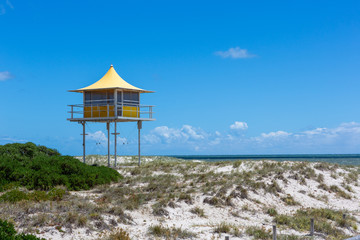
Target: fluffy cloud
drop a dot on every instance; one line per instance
(5, 76)
(239, 126)
(344, 138)
(11, 139)
(192, 132)
(278, 134)
(169, 135)
(235, 53)
(98, 136)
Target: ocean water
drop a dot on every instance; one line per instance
(344, 159)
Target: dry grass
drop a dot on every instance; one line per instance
(168, 183)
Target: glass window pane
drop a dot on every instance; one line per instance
(97, 98)
(87, 98)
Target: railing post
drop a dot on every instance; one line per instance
(72, 111)
(122, 103)
(115, 104)
(108, 110)
(312, 227)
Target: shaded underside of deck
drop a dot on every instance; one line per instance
(110, 119)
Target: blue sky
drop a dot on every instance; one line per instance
(231, 77)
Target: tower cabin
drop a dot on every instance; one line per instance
(111, 99)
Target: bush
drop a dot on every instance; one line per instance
(55, 194)
(222, 228)
(258, 233)
(119, 234)
(198, 211)
(300, 221)
(7, 232)
(272, 212)
(289, 200)
(38, 167)
(170, 233)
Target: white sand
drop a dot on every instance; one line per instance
(250, 213)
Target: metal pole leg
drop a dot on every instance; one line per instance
(108, 129)
(139, 123)
(115, 143)
(83, 124)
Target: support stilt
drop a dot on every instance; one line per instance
(115, 133)
(83, 124)
(108, 129)
(139, 123)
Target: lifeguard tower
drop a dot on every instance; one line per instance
(111, 99)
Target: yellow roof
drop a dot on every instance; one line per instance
(111, 80)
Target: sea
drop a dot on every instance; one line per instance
(343, 159)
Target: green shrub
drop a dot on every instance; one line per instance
(119, 234)
(186, 198)
(339, 192)
(7, 232)
(170, 233)
(198, 211)
(222, 228)
(300, 221)
(272, 212)
(289, 200)
(55, 194)
(258, 233)
(14, 196)
(38, 167)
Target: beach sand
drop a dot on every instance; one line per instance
(198, 198)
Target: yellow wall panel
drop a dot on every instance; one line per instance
(131, 112)
(98, 111)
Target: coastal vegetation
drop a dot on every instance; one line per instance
(42, 168)
(168, 198)
(8, 232)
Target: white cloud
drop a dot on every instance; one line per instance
(235, 53)
(276, 134)
(5, 75)
(344, 138)
(348, 133)
(169, 135)
(10, 139)
(191, 132)
(239, 126)
(122, 140)
(216, 141)
(98, 136)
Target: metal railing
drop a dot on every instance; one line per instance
(100, 110)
